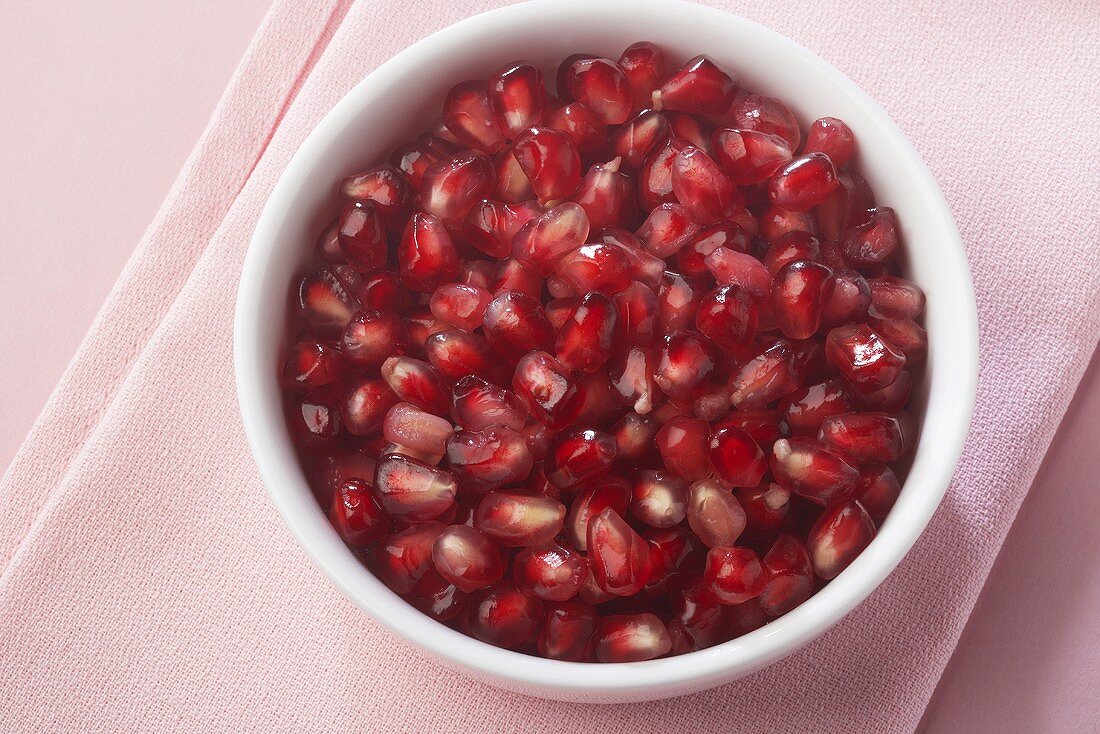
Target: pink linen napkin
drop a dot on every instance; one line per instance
(147, 583)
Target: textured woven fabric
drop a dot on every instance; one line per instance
(148, 585)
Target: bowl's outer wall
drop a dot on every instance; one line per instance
(401, 98)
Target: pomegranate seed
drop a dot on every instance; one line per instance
(582, 125)
(628, 638)
(382, 291)
(546, 385)
(807, 407)
(634, 435)
(360, 234)
(897, 297)
(550, 161)
(409, 426)
(695, 131)
(559, 309)
(667, 229)
(579, 455)
(403, 560)
(659, 499)
(839, 535)
(799, 294)
(504, 617)
(749, 157)
(691, 259)
(460, 305)
(832, 137)
(419, 326)
(701, 186)
(488, 459)
(412, 159)
(451, 187)
(619, 557)
(700, 87)
(515, 324)
(438, 599)
(685, 362)
(671, 550)
(727, 316)
(678, 302)
(567, 630)
(470, 118)
(586, 338)
(479, 405)
(412, 490)
(734, 575)
(414, 381)
(515, 275)
(682, 443)
(766, 115)
(892, 397)
(737, 458)
(806, 467)
(325, 304)
(466, 558)
(711, 402)
(849, 300)
(561, 79)
(637, 138)
(874, 239)
(517, 97)
(776, 222)
(765, 426)
(372, 337)
(790, 579)
(606, 194)
(877, 491)
(365, 406)
(763, 379)
(387, 189)
(328, 245)
(906, 335)
(610, 493)
(637, 308)
(790, 248)
(863, 357)
(559, 230)
(518, 520)
(765, 505)
(643, 64)
(355, 514)
(490, 226)
(601, 86)
(738, 268)
(512, 184)
(655, 176)
(863, 436)
(803, 183)
(475, 273)
(311, 365)
(596, 267)
(631, 372)
(550, 572)
(426, 256)
(455, 354)
(714, 514)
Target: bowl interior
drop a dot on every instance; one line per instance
(402, 98)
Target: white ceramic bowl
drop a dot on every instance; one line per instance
(403, 95)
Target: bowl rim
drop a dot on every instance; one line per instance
(692, 670)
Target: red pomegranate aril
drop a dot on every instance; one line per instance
(896, 297)
(467, 558)
(634, 434)
(863, 437)
(799, 293)
(629, 638)
(765, 505)
(579, 455)
(812, 470)
(849, 300)
(790, 248)
(655, 176)
(582, 125)
(326, 306)
(387, 189)
(413, 158)
(460, 305)
(607, 195)
(469, 117)
(737, 459)
(550, 572)
(619, 557)
(371, 337)
(596, 267)
(600, 85)
(747, 156)
(903, 333)
(702, 188)
(765, 426)
(692, 130)
(365, 406)
(567, 631)
(550, 160)
(637, 308)
(478, 405)
(678, 302)
(832, 137)
(610, 492)
(416, 429)
(475, 273)
(839, 535)
(515, 275)
(518, 520)
(451, 187)
(790, 579)
(667, 229)
(490, 226)
(514, 324)
(714, 514)
(734, 575)
(414, 381)
(543, 240)
(643, 64)
(403, 560)
(586, 338)
(874, 239)
(638, 137)
(712, 401)
(691, 259)
(682, 443)
(311, 365)
(382, 291)
(659, 498)
(863, 357)
(512, 185)
(700, 87)
(803, 183)
(764, 379)
(806, 408)
(766, 115)
(877, 491)
(488, 459)
(776, 222)
(517, 97)
(412, 490)
(455, 353)
(505, 617)
(328, 245)
(426, 256)
(439, 599)
(890, 398)
(738, 268)
(547, 386)
(356, 515)
(685, 361)
(361, 237)
(727, 316)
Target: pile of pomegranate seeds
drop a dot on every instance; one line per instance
(609, 373)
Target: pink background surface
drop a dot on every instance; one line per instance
(101, 111)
